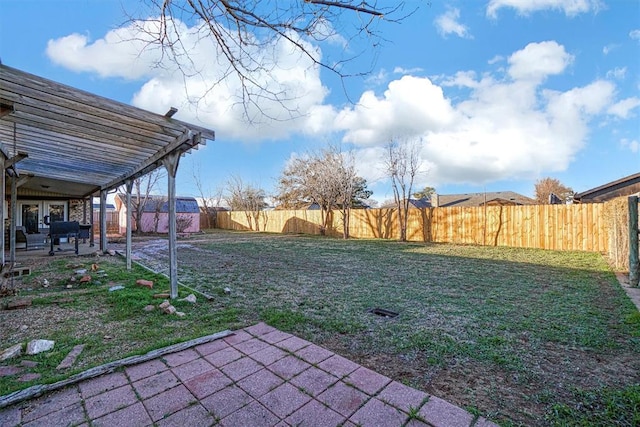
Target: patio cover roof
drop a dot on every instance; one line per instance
(78, 143)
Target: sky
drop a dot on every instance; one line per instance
(497, 93)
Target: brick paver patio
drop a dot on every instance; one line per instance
(259, 376)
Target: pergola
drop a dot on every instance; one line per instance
(59, 141)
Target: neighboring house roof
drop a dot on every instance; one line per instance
(109, 206)
(627, 186)
(157, 203)
(479, 199)
(420, 203)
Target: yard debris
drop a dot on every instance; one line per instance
(69, 286)
(29, 363)
(169, 310)
(94, 267)
(11, 352)
(81, 271)
(23, 327)
(6, 371)
(39, 346)
(85, 279)
(111, 252)
(29, 377)
(19, 303)
(70, 359)
(145, 283)
(180, 314)
(190, 298)
(149, 307)
(107, 337)
(116, 288)
(162, 295)
(227, 291)
(45, 283)
(72, 280)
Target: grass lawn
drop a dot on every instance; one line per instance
(520, 336)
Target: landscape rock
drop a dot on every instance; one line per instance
(149, 307)
(7, 371)
(45, 283)
(81, 271)
(180, 314)
(29, 363)
(29, 377)
(85, 279)
(164, 304)
(111, 252)
(18, 303)
(227, 290)
(39, 346)
(145, 283)
(70, 359)
(11, 352)
(73, 279)
(169, 310)
(190, 298)
(163, 295)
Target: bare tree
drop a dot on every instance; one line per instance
(158, 204)
(142, 190)
(326, 178)
(209, 198)
(402, 165)
(244, 33)
(545, 187)
(247, 198)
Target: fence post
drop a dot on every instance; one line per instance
(634, 266)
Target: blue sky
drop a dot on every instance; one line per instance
(498, 93)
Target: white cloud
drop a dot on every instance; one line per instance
(635, 34)
(610, 48)
(495, 59)
(525, 7)
(461, 79)
(205, 90)
(538, 60)
(618, 73)
(505, 128)
(504, 125)
(624, 108)
(447, 23)
(400, 70)
(631, 145)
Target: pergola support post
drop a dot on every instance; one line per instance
(3, 230)
(634, 265)
(129, 187)
(92, 239)
(12, 224)
(170, 163)
(103, 221)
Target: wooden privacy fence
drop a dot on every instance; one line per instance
(561, 227)
(112, 222)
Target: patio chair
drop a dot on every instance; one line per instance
(31, 241)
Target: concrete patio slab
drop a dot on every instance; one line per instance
(258, 377)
